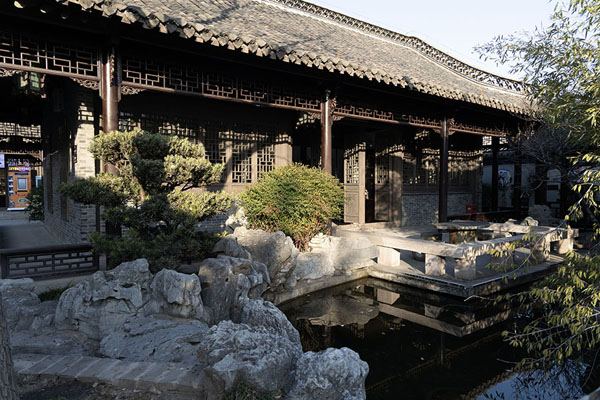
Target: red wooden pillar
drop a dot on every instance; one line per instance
(326, 135)
(494, 194)
(443, 175)
(110, 93)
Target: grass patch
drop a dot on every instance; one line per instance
(52, 294)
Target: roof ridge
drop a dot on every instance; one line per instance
(413, 42)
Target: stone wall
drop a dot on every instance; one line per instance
(69, 221)
(214, 224)
(422, 209)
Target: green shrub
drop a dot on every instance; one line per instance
(151, 196)
(36, 203)
(295, 199)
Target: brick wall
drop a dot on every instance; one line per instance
(71, 222)
(422, 209)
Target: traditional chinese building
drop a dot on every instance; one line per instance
(260, 83)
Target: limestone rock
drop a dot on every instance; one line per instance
(51, 341)
(529, 221)
(21, 304)
(236, 218)
(272, 249)
(100, 305)
(176, 294)
(230, 247)
(312, 265)
(227, 280)
(258, 312)
(25, 284)
(257, 355)
(334, 374)
(155, 339)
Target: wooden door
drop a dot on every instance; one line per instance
(382, 187)
(354, 184)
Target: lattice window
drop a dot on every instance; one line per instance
(420, 171)
(352, 173)
(431, 167)
(215, 145)
(156, 74)
(382, 169)
(241, 157)
(408, 170)
(12, 129)
(265, 154)
(128, 122)
(29, 52)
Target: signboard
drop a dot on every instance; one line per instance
(18, 165)
(2, 165)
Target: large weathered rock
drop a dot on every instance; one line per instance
(275, 249)
(229, 246)
(176, 294)
(259, 356)
(334, 374)
(313, 266)
(100, 305)
(51, 341)
(155, 339)
(227, 280)
(21, 304)
(258, 312)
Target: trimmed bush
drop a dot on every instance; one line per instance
(295, 199)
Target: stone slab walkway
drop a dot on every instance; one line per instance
(136, 375)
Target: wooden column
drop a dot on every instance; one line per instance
(110, 92)
(326, 136)
(443, 175)
(494, 194)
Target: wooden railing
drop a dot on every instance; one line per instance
(48, 261)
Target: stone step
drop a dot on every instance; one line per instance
(136, 375)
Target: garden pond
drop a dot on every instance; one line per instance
(422, 345)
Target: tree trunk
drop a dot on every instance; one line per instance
(8, 385)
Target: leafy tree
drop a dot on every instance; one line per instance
(561, 66)
(150, 195)
(297, 200)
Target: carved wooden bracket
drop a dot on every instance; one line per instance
(5, 73)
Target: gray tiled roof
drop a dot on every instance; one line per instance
(298, 32)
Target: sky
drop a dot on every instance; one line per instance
(453, 26)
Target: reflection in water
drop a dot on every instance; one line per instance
(421, 345)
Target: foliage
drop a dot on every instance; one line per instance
(36, 203)
(567, 321)
(150, 195)
(561, 66)
(296, 199)
(52, 294)
(244, 392)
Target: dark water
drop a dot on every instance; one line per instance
(421, 345)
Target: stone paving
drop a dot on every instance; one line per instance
(162, 376)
